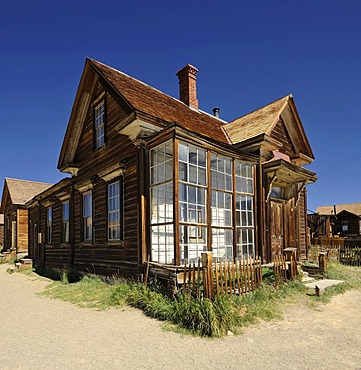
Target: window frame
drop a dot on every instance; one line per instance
(85, 217)
(120, 210)
(65, 230)
(49, 225)
(192, 224)
(98, 105)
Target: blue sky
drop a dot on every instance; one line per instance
(248, 54)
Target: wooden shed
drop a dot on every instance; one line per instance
(339, 219)
(154, 177)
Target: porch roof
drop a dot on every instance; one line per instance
(285, 173)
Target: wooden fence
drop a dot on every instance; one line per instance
(284, 270)
(211, 279)
(350, 256)
(232, 278)
(346, 255)
(329, 242)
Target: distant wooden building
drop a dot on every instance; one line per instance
(340, 219)
(15, 194)
(156, 177)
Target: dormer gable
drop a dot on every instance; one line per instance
(276, 126)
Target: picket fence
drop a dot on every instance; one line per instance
(208, 278)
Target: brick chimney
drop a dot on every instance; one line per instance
(188, 85)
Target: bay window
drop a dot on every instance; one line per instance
(213, 196)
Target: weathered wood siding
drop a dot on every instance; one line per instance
(353, 224)
(280, 134)
(19, 215)
(302, 225)
(22, 230)
(101, 256)
(33, 220)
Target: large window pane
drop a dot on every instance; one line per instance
(193, 241)
(245, 243)
(161, 203)
(162, 239)
(245, 209)
(222, 243)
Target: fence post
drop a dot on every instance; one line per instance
(208, 281)
(322, 260)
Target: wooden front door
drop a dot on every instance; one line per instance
(277, 226)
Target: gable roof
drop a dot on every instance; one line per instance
(140, 98)
(143, 101)
(257, 122)
(354, 208)
(263, 120)
(153, 102)
(20, 191)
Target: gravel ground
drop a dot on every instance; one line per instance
(43, 333)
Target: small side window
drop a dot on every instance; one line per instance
(88, 216)
(49, 225)
(99, 125)
(66, 224)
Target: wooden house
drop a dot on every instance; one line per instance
(340, 219)
(14, 197)
(154, 177)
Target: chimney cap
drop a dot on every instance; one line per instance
(216, 111)
(188, 68)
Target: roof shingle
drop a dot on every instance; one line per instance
(354, 208)
(23, 190)
(151, 101)
(257, 122)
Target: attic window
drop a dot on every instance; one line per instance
(99, 125)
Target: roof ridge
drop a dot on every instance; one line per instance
(220, 121)
(143, 83)
(264, 106)
(340, 204)
(38, 182)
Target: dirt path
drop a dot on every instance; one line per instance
(42, 333)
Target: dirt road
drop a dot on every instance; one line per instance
(42, 333)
